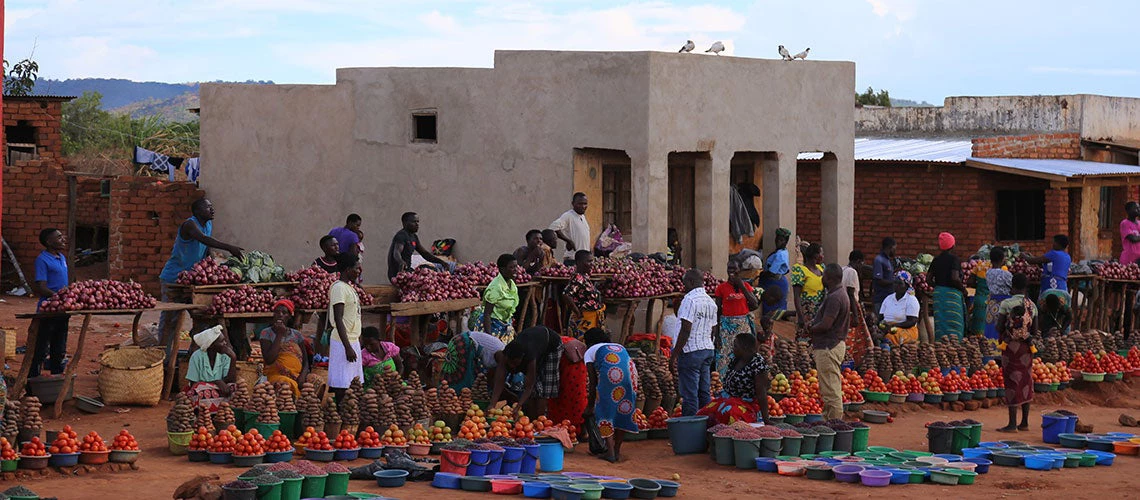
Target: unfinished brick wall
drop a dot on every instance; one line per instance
(91, 208)
(145, 215)
(913, 203)
(1038, 146)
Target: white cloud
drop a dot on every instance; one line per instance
(644, 26)
(104, 57)
(903, 10)
(1085, 71)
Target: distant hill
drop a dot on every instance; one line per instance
(169, 100)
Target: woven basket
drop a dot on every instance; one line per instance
(248, 372)
(131, 375)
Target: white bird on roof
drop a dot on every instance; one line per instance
(716, 48)
(784, 54)
(687, 47)
(802, 55)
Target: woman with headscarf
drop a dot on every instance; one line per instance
(283, 349)
(999, 281)
(211, 372)
(1056, 314)
(582, 298)
(612, 390)
(945, 275)
(1017, 322)
(898, 315)
(736, 301)
(807, 288)
(776, 268)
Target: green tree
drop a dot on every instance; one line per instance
(84, 123)
(21, 78)
(871, 98)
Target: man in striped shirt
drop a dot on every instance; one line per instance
(693, 354)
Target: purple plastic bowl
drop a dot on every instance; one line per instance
(849, 473)
(875, 477)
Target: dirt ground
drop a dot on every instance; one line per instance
(160, 473)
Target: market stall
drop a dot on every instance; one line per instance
(653, 314)
(34, 329)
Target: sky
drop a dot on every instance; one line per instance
(917, 49)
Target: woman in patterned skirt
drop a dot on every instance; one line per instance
(613, 390)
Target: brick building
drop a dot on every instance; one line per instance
(133, 219)
(1010, 188)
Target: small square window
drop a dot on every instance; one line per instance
(1021, 215)
(424, 127)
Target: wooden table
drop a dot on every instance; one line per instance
(1114, 297)
(535, 291)
(1087, 287)
(204, 294)
(419, 310)
(34, 332)
(631, 304)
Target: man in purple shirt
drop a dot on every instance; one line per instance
(348, 236)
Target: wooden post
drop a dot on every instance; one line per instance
(71, 208)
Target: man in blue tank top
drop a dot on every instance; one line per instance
(191, 245)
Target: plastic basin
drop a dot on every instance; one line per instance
(471, 483)
(982, 465)
(944, 477)
(1038, 462)
(899, 476)
(875, 416)
(668, 488)
(94, 457)
(796, 468)
(220, 458)
(445, 480)
(875, 478)
(248, 460)
(279, 456)
(129, 456)
(847, 473)
(970, 466)
(616, 490)
(932, 460)
(564, 492)
(1069, 440)
(1088, 459)
(976, 452)
(346, 454)
(1125, 448)
(993, 445)
(964, 476)
(1101, 444)
(766, 464)
(820, 472)
(644, 488)
(392, 478)
(1102, 457)
(63, 459)
(1007, 459)
(506, 486)
(319, 455)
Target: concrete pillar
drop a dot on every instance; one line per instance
(837, 206)
(650, 202)
(711, 200)
(779, 198)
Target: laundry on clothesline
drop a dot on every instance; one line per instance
(167, 164)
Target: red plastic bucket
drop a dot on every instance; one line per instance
(454, 461)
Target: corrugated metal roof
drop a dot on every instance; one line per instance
(917, 150)
(1057, 168)
(38, 97)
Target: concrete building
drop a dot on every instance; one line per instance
(485, 154)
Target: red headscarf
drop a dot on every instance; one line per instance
(945, 241)
(287, 303)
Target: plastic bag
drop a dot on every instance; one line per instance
(609, 240)
(594, 436)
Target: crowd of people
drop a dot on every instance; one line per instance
(571, 369)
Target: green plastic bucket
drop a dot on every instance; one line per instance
(809, 444)
(834, 454)
(844, 440)
(291, 489)
(881, 449)
(725, 451)
(270, 491)
(792, 446)
(770, 447)
(941, 439)
(288, 424)
(266, 430)
(1088, 460)
(869, 455)
(975, 435)
(314, 486)
(337, 484)
(961, 439)
(860, 438)
(746, 451)
(825, 442)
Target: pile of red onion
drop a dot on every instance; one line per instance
(1031, 271)
(609, 265)
(243, 299)
(98, 295)
(643, 279)
(1117, 271)
(480, 274)
(312, 291)
(426, 285)
(557, 271)
(207, 272)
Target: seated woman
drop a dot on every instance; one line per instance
(284, 350)
(211, 372)
(469, 354)
(612, 390)
(1056, 314)
(499, 302)
(898, 316)
(582, 298)
(745, 387)
(377, 354)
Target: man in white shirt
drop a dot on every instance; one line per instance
(572, 228)
(693, 354)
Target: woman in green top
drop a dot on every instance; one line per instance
(500, 298)
(211, 371)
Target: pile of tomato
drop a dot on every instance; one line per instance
(65, 442)
(33, 448)
(92, 442)
(345, 441)
(369, 438)
(278, 442)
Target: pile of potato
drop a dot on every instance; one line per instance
(310, 407)
(181, 416)
(370, 408)
(240, 397)
(285, 399)
(449, 401)
(264, 402)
